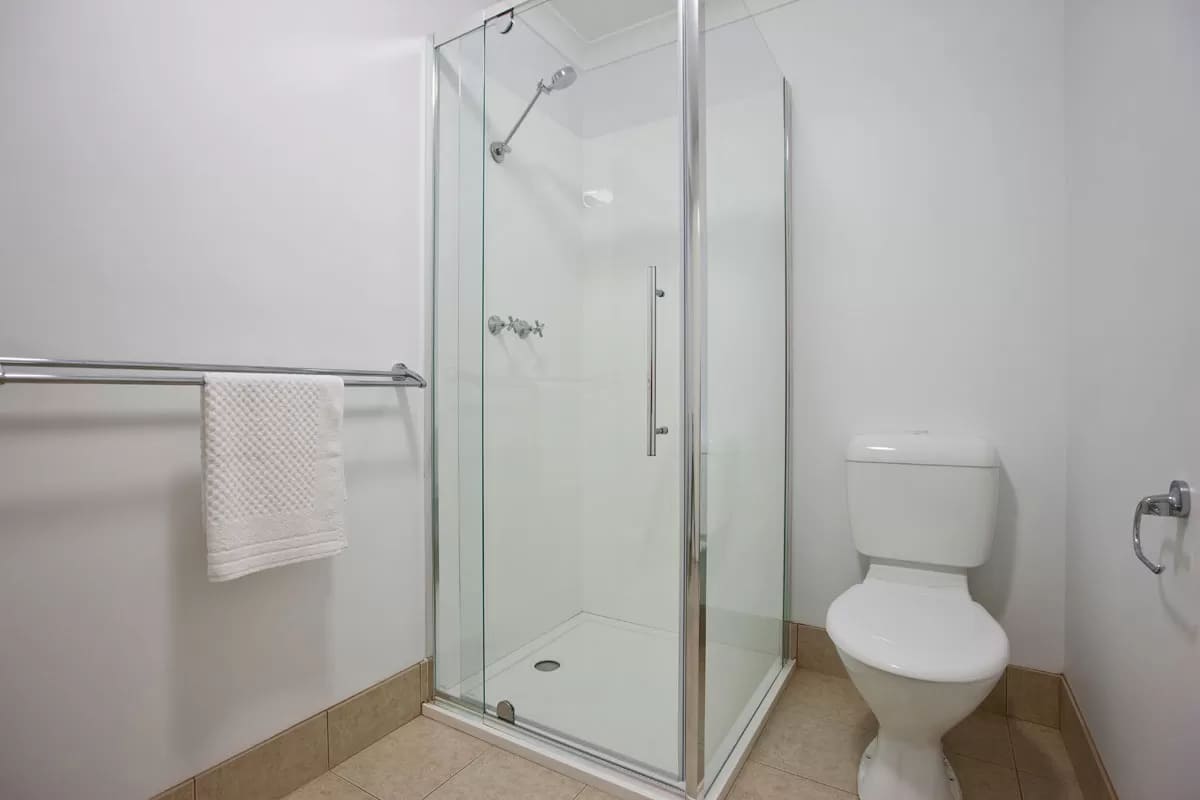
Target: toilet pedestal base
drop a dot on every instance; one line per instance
(903, 770)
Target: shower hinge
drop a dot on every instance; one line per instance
(504, 20)
(506, 712)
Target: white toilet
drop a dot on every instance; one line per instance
(922, 653)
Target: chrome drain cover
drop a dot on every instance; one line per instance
(547, 665)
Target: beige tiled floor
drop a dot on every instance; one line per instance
(809, 750)
(425, 759)
(811, 745)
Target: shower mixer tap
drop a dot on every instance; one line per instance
(520, 327)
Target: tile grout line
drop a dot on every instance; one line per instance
(328, 744)
(1012, 748)
(787, 771)
(450, 777)
(838, 789)
(355, 785)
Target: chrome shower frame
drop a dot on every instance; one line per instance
(534, 743)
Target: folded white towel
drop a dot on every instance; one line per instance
(274, 483)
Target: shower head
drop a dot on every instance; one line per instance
(561, 79)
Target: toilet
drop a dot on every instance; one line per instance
(921, 652)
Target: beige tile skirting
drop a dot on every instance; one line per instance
(287, 761)
(1022, 693)
(1089, 769)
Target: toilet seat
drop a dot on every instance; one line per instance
(926, 633)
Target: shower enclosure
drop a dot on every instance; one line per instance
(610, 383)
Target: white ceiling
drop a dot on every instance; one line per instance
(592, 20)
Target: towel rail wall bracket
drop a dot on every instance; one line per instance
(398, 376)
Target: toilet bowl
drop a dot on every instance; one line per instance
(920, 651)
(923, 655)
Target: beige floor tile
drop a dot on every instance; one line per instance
(983, 781)
(1035, 787)
(982, 736)
(592, 793)
(329, 787)
(828, 697)
(498, 775)
(760, 782)
(800, 742)
(1040, 750)
(411, 762)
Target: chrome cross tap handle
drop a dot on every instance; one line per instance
(520, 327)
(1177, 502)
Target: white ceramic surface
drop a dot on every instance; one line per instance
(937, 506)
(922, 653)
(931, 633)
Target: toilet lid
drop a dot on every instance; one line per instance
(929, 634)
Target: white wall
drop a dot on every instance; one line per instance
(1132, 637)
(928, 208)
(224, 182)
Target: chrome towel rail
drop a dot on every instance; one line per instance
(398, 375)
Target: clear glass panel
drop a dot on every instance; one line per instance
(744, 409)
(458, 359)
(582, 542)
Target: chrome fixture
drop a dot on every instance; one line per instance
(559, 80)
(520, 327)
(1177, 502)
(398, 375)
(693, 302)
(653, 293)
(503, 21)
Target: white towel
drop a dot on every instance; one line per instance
(274, 483)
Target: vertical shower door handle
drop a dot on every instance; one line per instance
(653, 293)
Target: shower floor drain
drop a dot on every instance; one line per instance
(547, 665)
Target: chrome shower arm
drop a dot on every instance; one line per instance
(541, 90)
(500, 149)
(560, 80)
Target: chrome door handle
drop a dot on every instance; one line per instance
(1177, 502)
(653, 293)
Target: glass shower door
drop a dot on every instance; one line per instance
(744, 409)
(580, 268)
